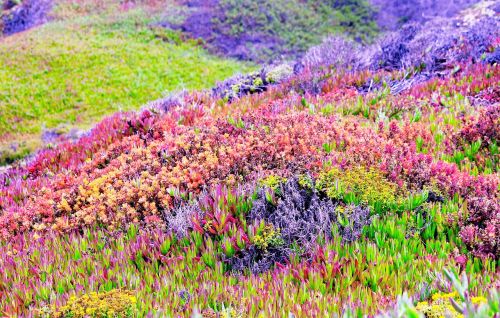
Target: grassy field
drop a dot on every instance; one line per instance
(80, 67)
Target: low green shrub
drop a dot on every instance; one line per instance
(358, 185)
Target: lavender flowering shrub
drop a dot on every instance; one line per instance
(428, 47)
(179, 220)
(335, 51)
(164, 105)
(300, 214)
(27, 14)
(437, 45)
(302, 217)
(392, 14)
(258, 261)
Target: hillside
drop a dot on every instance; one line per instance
(88, 62)
(391, 14)
(358, 180)
(270, 31)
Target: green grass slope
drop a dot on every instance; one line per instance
(74, 71)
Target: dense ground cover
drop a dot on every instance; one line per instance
(205, 183)
(358, 186)
(84, 65)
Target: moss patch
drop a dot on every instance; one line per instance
(358, 185)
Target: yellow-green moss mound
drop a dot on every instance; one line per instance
(358, 184)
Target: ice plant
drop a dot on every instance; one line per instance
(334, 192)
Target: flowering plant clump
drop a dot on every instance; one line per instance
(359, 185)
(440, 306)
(269, 236)
(272, 182)
(115, 303)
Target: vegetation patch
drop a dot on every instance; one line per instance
(358, 185)
(265, 31)
(290, 220)
(21, 15)
(114, 303)
(337, 192)
(75, 72)
(252, 83)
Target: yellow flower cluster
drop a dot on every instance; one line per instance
(208, 225)
(305, 182)
(438, 310)
(478, 300)
(370, 186)
(268, 237)
(444, 296)
(441, 307)
(230, 312)
(272, 182)
(115, 303)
